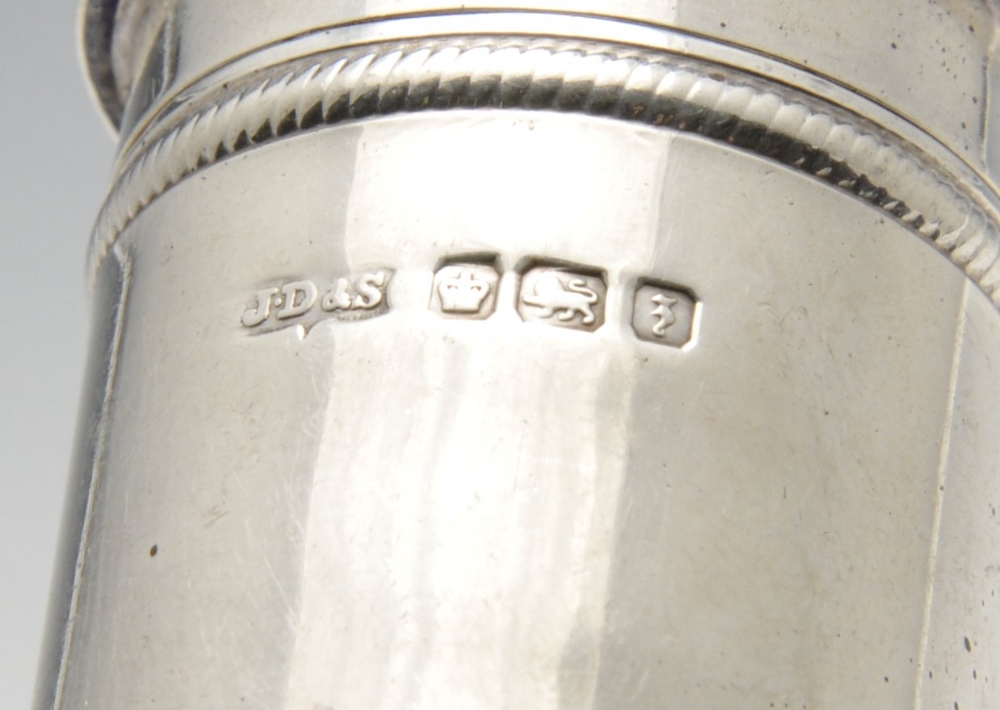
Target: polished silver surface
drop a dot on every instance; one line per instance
(500, 366)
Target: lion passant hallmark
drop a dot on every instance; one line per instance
(563, 296)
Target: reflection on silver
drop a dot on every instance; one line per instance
(753, 464)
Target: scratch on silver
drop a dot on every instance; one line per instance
(655, 88)
(939, 494)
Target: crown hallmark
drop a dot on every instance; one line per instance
(463, 293)
(467, 290)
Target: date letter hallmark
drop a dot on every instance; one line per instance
(465, 290)
(663, 314)
(562, 297)
(305, 302)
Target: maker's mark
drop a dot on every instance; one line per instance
(306, 302)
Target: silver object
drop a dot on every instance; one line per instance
(630, 354)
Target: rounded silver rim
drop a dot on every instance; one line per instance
(592, 78)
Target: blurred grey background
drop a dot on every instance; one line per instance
(56, 156)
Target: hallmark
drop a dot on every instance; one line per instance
(465, 290)
(305, 302)
(563, 296)
(663, 314)
(556, 293)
